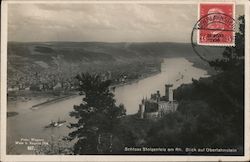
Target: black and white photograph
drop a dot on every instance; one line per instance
(125, 79)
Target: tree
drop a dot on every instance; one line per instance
(211, 110)
(224, 94)
(97, 116)
(233, 57)
(230, 83)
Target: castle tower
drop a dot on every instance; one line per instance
(171, 95)
(143, 101)
(141, 110)
(167, 91)
(158, 96)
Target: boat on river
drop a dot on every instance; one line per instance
(53, 124)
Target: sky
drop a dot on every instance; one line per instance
(102, 22)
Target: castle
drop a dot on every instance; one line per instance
(157, 106)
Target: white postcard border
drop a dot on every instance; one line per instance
(5, 157)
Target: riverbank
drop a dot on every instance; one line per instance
(11, 114)
(25, 95)
(50, 97)
(22, 101)
(198, 63)
(31, 123)
(52, 101)
(135, 80)
(61, 98)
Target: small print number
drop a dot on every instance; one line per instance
(30, 147)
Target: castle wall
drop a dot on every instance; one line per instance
(151, 115)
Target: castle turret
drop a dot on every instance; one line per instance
(158, 96)
(141, 110)
(143, 101)
(167, 92)
(171, 95)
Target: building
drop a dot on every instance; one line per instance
(157, 106)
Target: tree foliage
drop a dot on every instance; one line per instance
(96, 116)
(233, 57)
(211, 110)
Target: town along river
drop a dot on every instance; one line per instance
(30, 123)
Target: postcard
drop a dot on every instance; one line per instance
(125, 80)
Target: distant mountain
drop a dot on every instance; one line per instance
(49, 54)
(92, 51)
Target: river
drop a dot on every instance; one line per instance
(30, 123)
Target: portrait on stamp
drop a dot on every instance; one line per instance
(216, 24)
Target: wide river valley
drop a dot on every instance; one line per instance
(31, 123)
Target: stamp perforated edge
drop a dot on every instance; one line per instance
(215, 44)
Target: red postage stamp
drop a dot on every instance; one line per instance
(216, 24)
